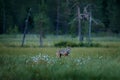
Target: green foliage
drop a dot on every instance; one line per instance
(114, 12)
(89, 45)
(13, 30)
(14, 12)
(96, 28)
(65, 44)
(41, 22)
(72, 44)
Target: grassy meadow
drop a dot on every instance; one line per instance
(40, 63)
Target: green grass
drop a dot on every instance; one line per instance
(35, 63)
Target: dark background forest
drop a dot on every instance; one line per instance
(57, 16)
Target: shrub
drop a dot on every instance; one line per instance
(65, 44)
(72, 44)
(13, 30)
(89, 45)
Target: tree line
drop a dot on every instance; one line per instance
(58, 16)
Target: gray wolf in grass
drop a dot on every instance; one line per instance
(63, 52)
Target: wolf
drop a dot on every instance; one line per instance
(63, 52)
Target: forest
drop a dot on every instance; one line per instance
(58, 16)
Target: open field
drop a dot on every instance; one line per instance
(33, 40)
(34, 63)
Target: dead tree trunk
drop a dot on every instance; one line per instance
(89, 29)
(41, 41)
(26, 25)
(79, 24)
(88, 16)
(41, 35)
